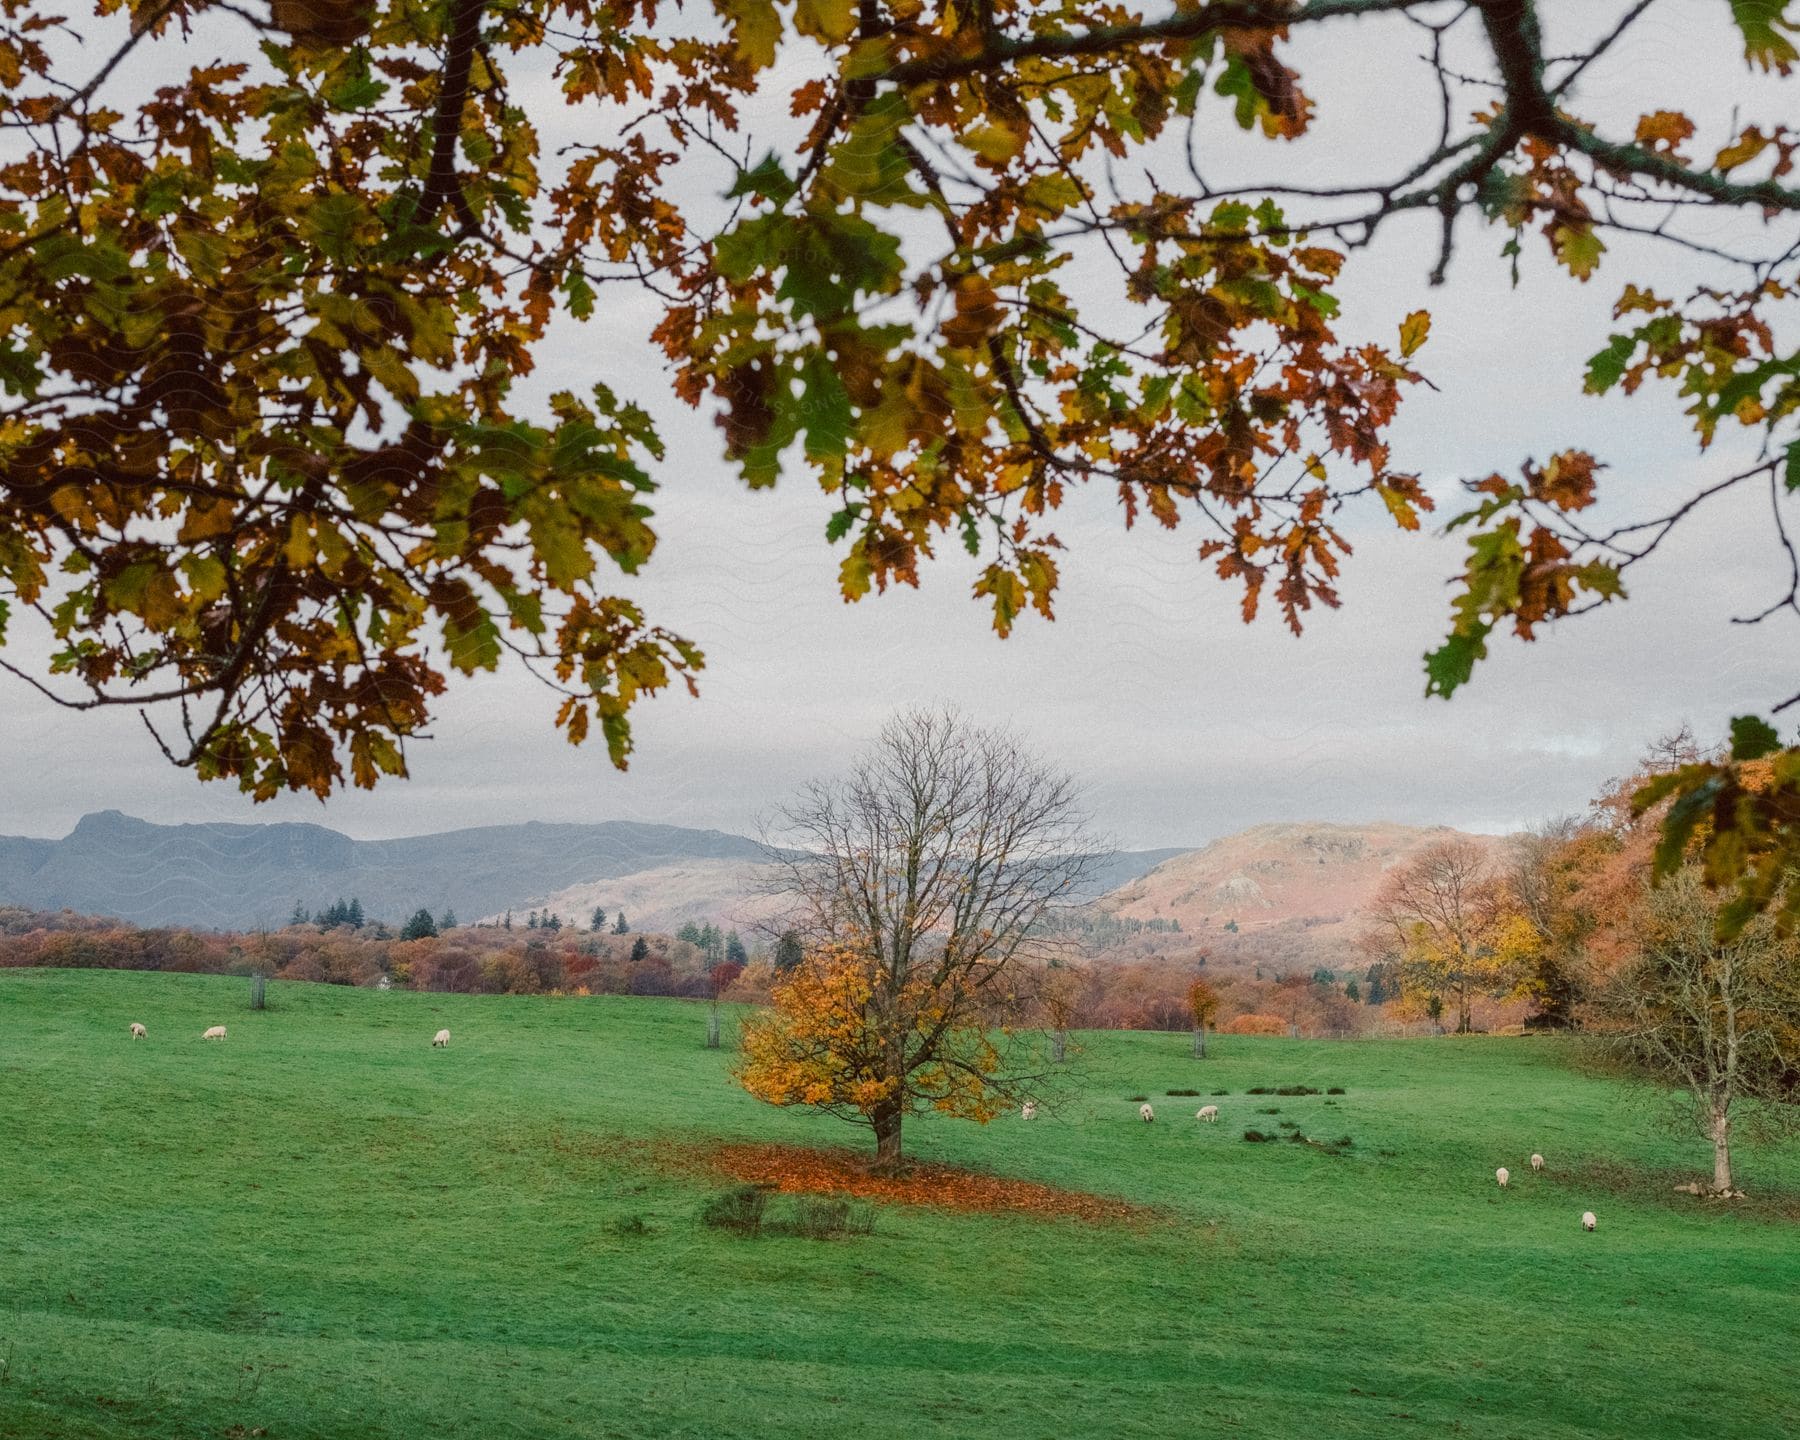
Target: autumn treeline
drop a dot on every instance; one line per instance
(466, 960)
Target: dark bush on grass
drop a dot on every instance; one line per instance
(1298, 1138)
(1221, 1092)
(1137, 1097)
(740, 1208)
(1181, 1092)
(1343, 1142)
(1295, 1090)
(1256, 1137)
(825, 1217)
(1269, 1110)
(1290, 1124)
(631, 1226)
(1334, 1090)
(1258, 1090)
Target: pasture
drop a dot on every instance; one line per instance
(324, 1227)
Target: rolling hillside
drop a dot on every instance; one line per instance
(1313, 874)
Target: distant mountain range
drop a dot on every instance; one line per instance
(237, 877)
(234, 877)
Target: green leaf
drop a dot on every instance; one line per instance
(1453, 663)
(19, 371)
(838, 526)
(354, 87)
(331, 223)
(1236, 82)
(473, 646)
(767, 179)
(825, 413)
(1790, 474)
(580, 294)
(1752, 737)
(1607, 368)
(1761, 22)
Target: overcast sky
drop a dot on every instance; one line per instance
(1183, 723)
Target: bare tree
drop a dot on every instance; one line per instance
(1719, 1021)
(923, 877)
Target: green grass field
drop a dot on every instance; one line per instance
(323, 1227)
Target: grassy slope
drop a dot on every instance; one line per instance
(325, 1228)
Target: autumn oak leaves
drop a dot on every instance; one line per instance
(967, 411)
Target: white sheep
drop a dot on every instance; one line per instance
(1029, 1110)
(138, 1032)
(1588, 1222)
(1146, 1114)
(1207, 1112)
(441, 1038)
(1503, 1175)
(1537, 1162)
(217, 1032)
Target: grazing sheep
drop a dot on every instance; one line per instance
(216, 1033)
(1146, 1114)
(1207, 1112)
(1537, 1162)
(441, 1038)
(1029, 1110)
(1588, 1222)
(1503, 1175)
(138, 1032)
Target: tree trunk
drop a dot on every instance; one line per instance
(1059, 1046)
(1720, 1130)
(1464, 1026)
(1199, 1042)
(712, 1029)
(886, 1121)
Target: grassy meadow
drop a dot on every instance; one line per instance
(322, 1227)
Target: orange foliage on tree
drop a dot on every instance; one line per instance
(1253, 1024)
(827, 1041)
(921, 879)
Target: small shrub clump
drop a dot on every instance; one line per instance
(1298, 1138)
(1290, 1124)
(1221, 1092)
(825, 1217)
(1334, 1090)
(1269, 1110)
(1256, 1137)
(1258, 1090)
(1295, 1090)
(740, 1208)
(631, 1226)
(1137, 1097)
(1181, 1092)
